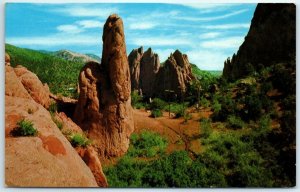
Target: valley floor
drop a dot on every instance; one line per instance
(181, 135)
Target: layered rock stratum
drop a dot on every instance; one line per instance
(104, 106)
(271, 39)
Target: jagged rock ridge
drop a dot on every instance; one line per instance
(271, 39)
(104, 106)
(151, 79)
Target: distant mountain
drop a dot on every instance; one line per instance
(96, 57)
(77, 57)
(61, 75)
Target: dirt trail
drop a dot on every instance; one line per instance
(180, 135)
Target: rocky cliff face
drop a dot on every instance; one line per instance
(134, 60)
(149, 68)
(154, 79)
(271, 39)
(104, 105)
(45, 160)
(175, 74)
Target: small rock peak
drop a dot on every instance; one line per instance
(149, 52)
(177, 52)
(140, 50)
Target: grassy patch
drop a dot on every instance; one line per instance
(24, 128)
(146, 144)
(79, 140)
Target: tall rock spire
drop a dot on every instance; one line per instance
(104, 106)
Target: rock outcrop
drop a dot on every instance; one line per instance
(39, 92)
(152, 79)
(45, 160)
(104, 106)
(7, 59)
(134, 60)
(271, 39)
(90, 157)
(149, 68)
(175, 75)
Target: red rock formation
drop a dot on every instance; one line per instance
(175, 75)
(149, 68)
(134, 60)
(39, 92)
(90, 157)
(104, 105)
(271, 39)
(152, 79)
(46, 160)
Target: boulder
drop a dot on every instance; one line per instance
(271, 39)
(104, 106)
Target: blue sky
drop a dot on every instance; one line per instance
(207, 33)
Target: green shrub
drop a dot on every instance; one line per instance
(206, 128)
(187, 116)
(136, 99)
(237, 160)
(204, 102)
(253, 107)
(157, 104)
(24, 128)
(235, 122)
(126, 173)
(58, 123)
(156, 113)
(52, 107)
(216, 106)
(139, 105)
(228, 106)
(79, 140)
(146, 144)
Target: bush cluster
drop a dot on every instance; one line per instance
(24, 128)
(79, 140)
(146, 144)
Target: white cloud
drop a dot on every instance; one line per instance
(142, 25)
(159, 41)
(55, 40)
(69, 29)
(207, 59)
(227, 26)
(163, 53)
(224, 43)
(206, 5)
(87, 11)
(212, 18)
(90, 24)
(210, 7)
(209, 35)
